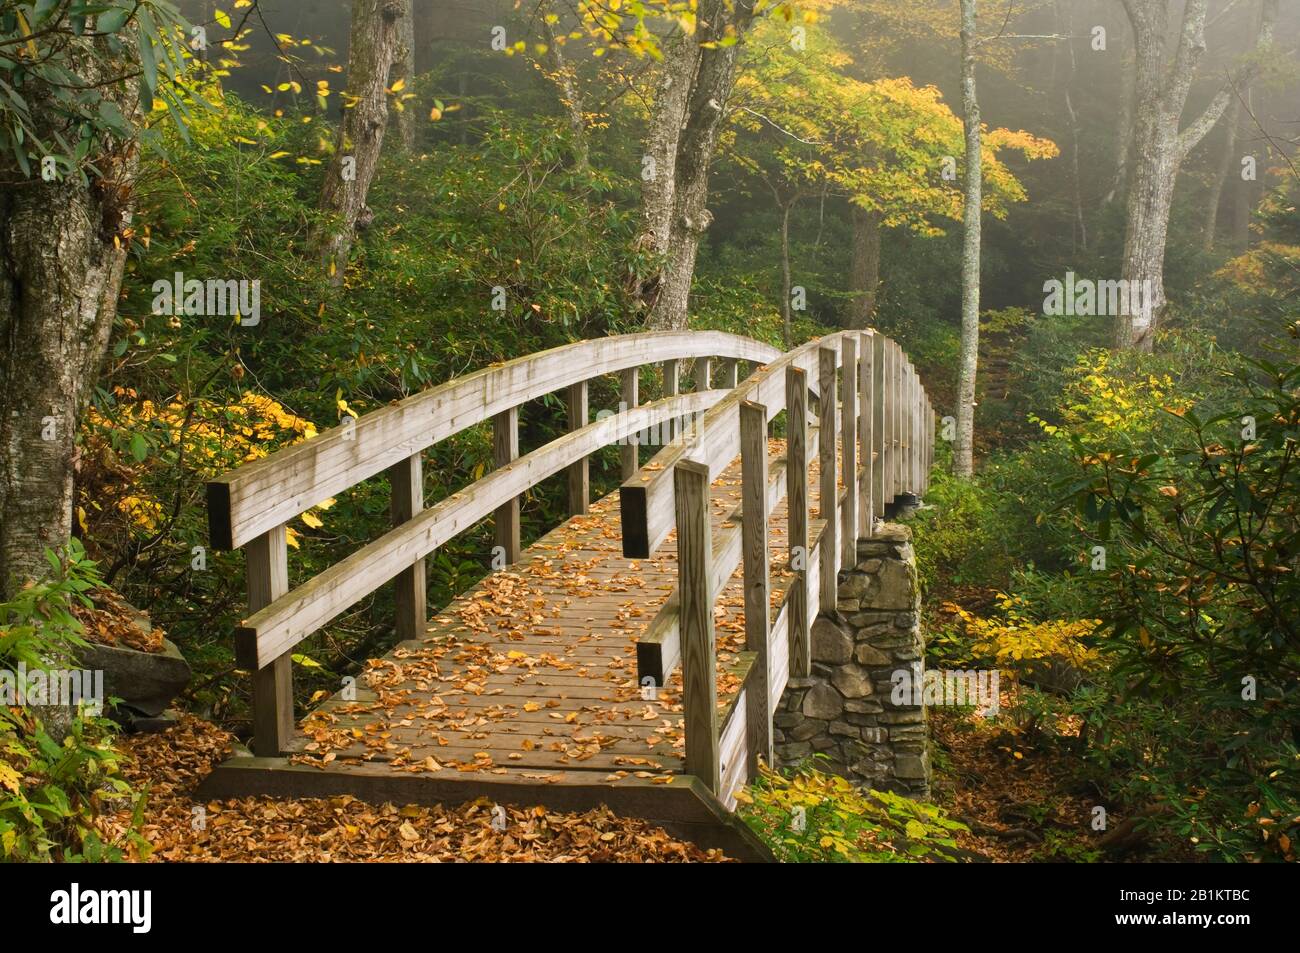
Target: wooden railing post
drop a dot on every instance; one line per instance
(703, 374)
(849, 447)
(579, 480)
(730, 373)
(866, 355)
(758, 625)
(267, 559)
(828, 508)
(899, 399)
(629, 395)
(505, 448)
(796, 468)
(878, 401)
(407, 481)
(672, 387)
(699, 678)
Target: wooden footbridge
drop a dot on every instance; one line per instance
(632, 656)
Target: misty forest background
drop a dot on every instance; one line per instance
(835, 180)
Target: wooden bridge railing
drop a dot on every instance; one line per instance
(872, 444)
(249, 507)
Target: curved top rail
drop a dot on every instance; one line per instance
(646, 499)
(250, 500)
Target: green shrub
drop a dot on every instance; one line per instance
(806, 815)
(54, 786)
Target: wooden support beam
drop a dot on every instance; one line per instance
(849, 447)
(579, 477)
(758, 623)
(796, 455)
(630, 398)
(898, 420)
(505, 448)
(866, 412)
(268, 578)
(699, 678)
(828, 503)
(878, 425)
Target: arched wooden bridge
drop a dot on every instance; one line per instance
(632, 656)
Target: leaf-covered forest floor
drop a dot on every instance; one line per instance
(170, 764)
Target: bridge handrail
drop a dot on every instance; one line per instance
(883, 410)
(246, 502)
(249, 507)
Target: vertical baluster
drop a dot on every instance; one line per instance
(672, 387)
(878, 418)
(407, 481)
(730, 372)
(849, 448)
(695, 622)
(629, 394)
(758, 625)
(866, 357)
(796, 467)
(703, 374)
(267, 559)
(579, 480)
(505, 448)
(827, 509)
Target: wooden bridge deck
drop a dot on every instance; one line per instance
(525, 689)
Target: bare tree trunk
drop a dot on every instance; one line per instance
(61, 261)
(1227, 165)
(403, 71)
(1080, 231)
(374, 39)
(787, 318)
(1160, 147)
(570, 95)
(1123, 130)
(963, 455)
(1245, 195)
(677, 211)
(864, 268)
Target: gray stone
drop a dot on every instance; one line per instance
(146, 682)
(830, 643)
(806, 729)
(869, 655)
(822, 701)
(843, 728)
(911, 767)
(852, 681)
(793, 752)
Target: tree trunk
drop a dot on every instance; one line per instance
(374, 39)
(963, 455)
(1080, 231)
(676, 211)
(786, 317)
(570, 95)
(864, 268)
(404, 71)
(1123, 130)
(62, 256)
(1227, 167)
(1245, 194)
(1159, 149)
